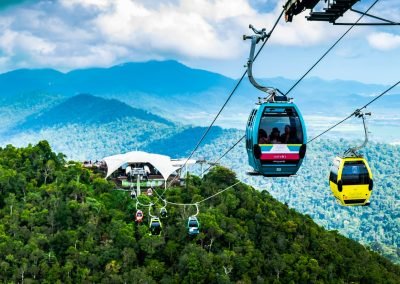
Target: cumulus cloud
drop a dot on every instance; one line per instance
(384, 41)
(69, 34)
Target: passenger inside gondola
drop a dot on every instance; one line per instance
(293, 138)
(290, 135)
(283, 126)
(262, 137)
(286, 135)
(274, 137)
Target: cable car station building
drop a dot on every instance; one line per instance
(142, 169)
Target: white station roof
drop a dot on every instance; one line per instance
(162, 163)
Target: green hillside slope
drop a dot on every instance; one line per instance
(62, 223)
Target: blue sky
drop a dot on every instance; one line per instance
(70, 34)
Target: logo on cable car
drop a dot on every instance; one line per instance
(279, 156)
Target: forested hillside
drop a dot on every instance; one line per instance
(62, 223)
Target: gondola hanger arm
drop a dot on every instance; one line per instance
(353, 151)
(259, 35)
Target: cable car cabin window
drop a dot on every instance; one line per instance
(192, 224)
(280, 125)
(355, 173)
(333, 174)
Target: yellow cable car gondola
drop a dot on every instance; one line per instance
(350, 176)
(351, 180)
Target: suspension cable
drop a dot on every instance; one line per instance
(203, 200)
(329, 49)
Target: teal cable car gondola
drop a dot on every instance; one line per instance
(193, 226)
(275, 132)
(271, 153)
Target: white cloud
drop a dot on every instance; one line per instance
(69, 34)
(384, 41)
(12, 42)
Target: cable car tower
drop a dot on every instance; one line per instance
(202, 162)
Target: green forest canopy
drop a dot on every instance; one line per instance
(63, 223)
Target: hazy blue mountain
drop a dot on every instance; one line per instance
(164, 78)
(154, 77)
(86, 109)
(25, 81)
(177, 92)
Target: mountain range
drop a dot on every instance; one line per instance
(183, 94)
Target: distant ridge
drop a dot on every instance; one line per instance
(156, 77)
(86, 109)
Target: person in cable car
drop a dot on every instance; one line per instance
(139, 216)
(262, 137)
(286, 135)
(274, 137)
(289, 136)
